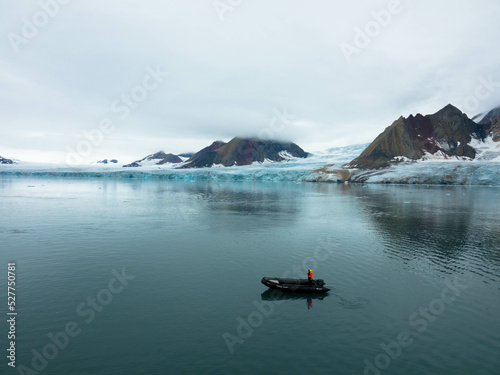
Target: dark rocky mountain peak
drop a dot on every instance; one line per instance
(446, 133)
(244, 151)
(205, 157)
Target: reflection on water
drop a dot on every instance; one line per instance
(352, 303)
(445, 225)
(277, 295)
(198, 204)
(242, 200)
(309, 303)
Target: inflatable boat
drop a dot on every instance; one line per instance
(295, 285)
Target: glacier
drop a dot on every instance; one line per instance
(434, 173)
(293, 169)
(324, 166)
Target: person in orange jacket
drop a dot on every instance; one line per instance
(310, 277)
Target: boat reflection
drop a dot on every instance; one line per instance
(278, 295)
(309, 303)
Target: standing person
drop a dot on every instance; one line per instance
(310, 277)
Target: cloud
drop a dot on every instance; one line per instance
(228, 78)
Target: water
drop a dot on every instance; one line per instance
(197, 250)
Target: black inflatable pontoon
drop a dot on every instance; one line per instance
(295, 285)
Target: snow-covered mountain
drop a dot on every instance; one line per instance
(244, 151)
(447, 134)
(444, 148)
(487, 117)
(6, 161)
(106, 161)
(158, 158)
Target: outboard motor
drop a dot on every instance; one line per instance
(320, 282)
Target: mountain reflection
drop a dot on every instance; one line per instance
(441, 223)
(260, 199)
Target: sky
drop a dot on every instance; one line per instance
(88, 80)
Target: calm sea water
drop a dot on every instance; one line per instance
(414, 272)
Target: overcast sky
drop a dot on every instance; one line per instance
(141, 76)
